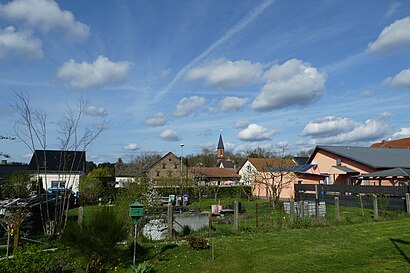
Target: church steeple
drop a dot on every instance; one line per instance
(220, 149)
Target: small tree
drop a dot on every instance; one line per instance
(96, 237)
(90, 188)
(19, 184)
(274, 176)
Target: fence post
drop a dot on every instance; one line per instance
(257, 214)
(408, 202)
(317, 202)
(292, 210)
(236, 215)
(375, 209)
(337, 212)
(170, 221)
(80, 215)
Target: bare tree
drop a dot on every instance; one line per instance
(4, 138)
(31, 129)
(274, 175)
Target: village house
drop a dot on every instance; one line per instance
(261, 173)
(58, 169)
(342, 165)
(166, 171)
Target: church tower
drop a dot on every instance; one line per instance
(220, 149)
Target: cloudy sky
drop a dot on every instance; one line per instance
(170, 72)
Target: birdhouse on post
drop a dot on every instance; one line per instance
(136, 211)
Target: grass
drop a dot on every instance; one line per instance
(357, 243)
(366, 247)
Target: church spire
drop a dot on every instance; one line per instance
(220, 149)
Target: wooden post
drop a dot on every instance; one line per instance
(236, 215)
(337, 208)
(292, 210)
(80, 215)
(213, 249)
(408, 202)
(302, 208)
(375, 209)
(16, 233)
(170, 221)
(8, 240)
(317, 202)
(257, 214)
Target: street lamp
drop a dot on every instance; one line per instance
(182, 154)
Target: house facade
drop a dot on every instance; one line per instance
(58, 169)
(166, 171)
(341, 164)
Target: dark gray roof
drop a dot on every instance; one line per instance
(220, 143)
(57, 161)
(296, 169)
(301, 160)
(388, 173)
(346, 169)
(372, 157)
(7, 170)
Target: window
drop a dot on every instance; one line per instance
(58, 184)
(163, 166)
(175, 166)
(157, 173)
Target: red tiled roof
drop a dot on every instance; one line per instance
(397, 143)
(262, 164)
(216, 173)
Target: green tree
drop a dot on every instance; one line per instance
(90, 188)
(102, 172)
(19, 184)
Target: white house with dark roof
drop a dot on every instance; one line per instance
(58, 169)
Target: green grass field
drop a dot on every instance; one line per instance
(357, 243)
(366, 247)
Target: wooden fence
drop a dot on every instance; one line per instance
(354, 195)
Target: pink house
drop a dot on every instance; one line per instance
(340, 164)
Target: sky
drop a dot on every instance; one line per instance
(265, 73)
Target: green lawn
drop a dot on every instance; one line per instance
(366, 247)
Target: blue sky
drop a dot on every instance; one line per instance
(266, 73)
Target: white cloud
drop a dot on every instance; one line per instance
(232, 104)
(246, 148)
(225, 74)
(392, 9)
(131, 147)
(328, 126)
(169, 135)
(241, 124)
(165, 73)
(20, 44)
(158, 119)
(292, 83)
(331, 132)
(394, 36)
(187, 106)
(229, 34)
(92, 75)
(95, 111)
(400, 80)
(403, 133)
(255, 132)
(45, 15)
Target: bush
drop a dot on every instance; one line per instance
(197, 243)
(145, 267)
